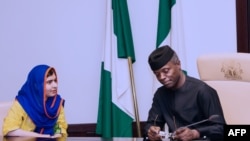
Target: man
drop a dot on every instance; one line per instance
(182, 101)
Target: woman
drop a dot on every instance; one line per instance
(37, 110)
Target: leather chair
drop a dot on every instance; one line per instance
(229, 75)
(4, 108)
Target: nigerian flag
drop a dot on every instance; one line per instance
(170, 31)
(116, 111)
(170, 28)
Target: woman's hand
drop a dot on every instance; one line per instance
(56, 136)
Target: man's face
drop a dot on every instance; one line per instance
(51, 86)
(169, 74)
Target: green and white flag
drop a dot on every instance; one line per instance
(116, 111)
(170, 30)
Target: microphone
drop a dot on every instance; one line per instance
(211, 118)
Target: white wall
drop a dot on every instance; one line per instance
(69, 35)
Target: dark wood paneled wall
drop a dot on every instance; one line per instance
(82, 130)
(88, 130)
(243, 24)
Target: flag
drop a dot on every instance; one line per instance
(115, 110)
(170, 30)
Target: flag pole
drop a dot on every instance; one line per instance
(134, 97)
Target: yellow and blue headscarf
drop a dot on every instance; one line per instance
(44, 114)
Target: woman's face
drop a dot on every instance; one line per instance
(51, 85)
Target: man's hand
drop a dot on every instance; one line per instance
(153, 133)
(186, 134)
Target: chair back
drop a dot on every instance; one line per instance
(229, 75)
(4, 108)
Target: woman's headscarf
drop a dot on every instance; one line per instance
(43, 113)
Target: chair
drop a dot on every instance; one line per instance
(4, 108)
(229, 75)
